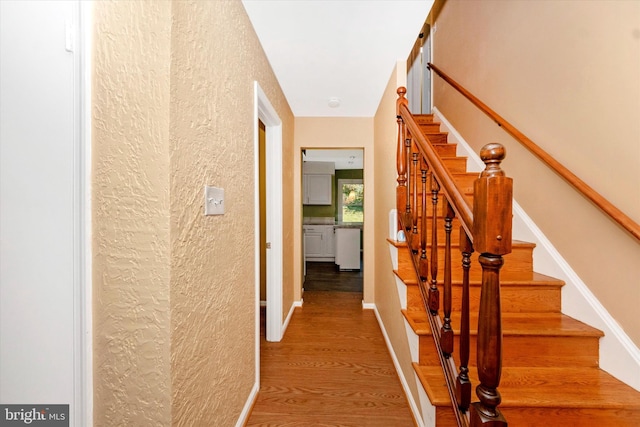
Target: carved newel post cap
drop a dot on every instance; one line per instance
(492, 154)
(401, 100)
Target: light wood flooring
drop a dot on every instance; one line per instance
(331, 369)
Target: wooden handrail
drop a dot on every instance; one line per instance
(458, 203)
(607, 207)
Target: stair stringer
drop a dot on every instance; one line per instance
(618, 355)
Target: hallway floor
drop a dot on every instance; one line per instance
(332, 368)
(325, 276)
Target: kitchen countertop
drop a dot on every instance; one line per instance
(348, 225)
(330, 221)
(318, 221)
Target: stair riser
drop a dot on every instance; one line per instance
(524, 351)
(464, 181)
(530, 351)
(514, 298)
(446, 150)
(430, 127)
(536, 417)
(445, 417)
(574, 417)
(456, 165)
(423, 118)
(517, 352)
(414, 299)
(441, 233)
(436, 137)
(428, 356)
(517, 264)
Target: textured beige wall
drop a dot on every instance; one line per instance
(566, 74)
(130, 200)
(387, 302)
(335, 132)
(216, 58)
(175, 290)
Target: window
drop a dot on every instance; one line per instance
(350, 200)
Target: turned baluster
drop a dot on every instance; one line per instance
(415, 243)
(424, 263)
(408, 215)
(492, 239)
(434, 293)
(401, 160)
(446, 333)
(463, 384)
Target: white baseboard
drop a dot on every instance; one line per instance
(368, 306)
(405, 386)
(619, 356)
(246, 410)
(286, 321)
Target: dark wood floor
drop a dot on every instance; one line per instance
(332, 368)
(325, 276)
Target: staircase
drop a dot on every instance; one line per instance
(550, 374)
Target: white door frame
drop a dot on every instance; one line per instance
(83, 287)
(265, 112)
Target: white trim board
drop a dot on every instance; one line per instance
(264, 111)
(248, 405)
(85, 45)
(618, 354)
(288, 319)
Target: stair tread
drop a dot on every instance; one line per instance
(516, 244)
(538, 279)
(514, 324)
(419, 117)
(587, 387)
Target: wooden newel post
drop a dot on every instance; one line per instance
(401, 158)
(492, 218)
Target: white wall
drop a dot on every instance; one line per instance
(40, 198)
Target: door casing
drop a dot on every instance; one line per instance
(265, 112)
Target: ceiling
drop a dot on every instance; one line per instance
(344, 50)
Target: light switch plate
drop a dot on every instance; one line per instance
(213, 200)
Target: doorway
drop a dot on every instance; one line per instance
(418, 75)
(333, 219)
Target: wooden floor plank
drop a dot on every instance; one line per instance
(331, 369)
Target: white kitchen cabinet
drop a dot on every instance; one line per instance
(317, 183)
(317, 190)
(329, 242)
(347, 243)
(313, 241)
(319, 243)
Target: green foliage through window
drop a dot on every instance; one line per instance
(352, 202)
